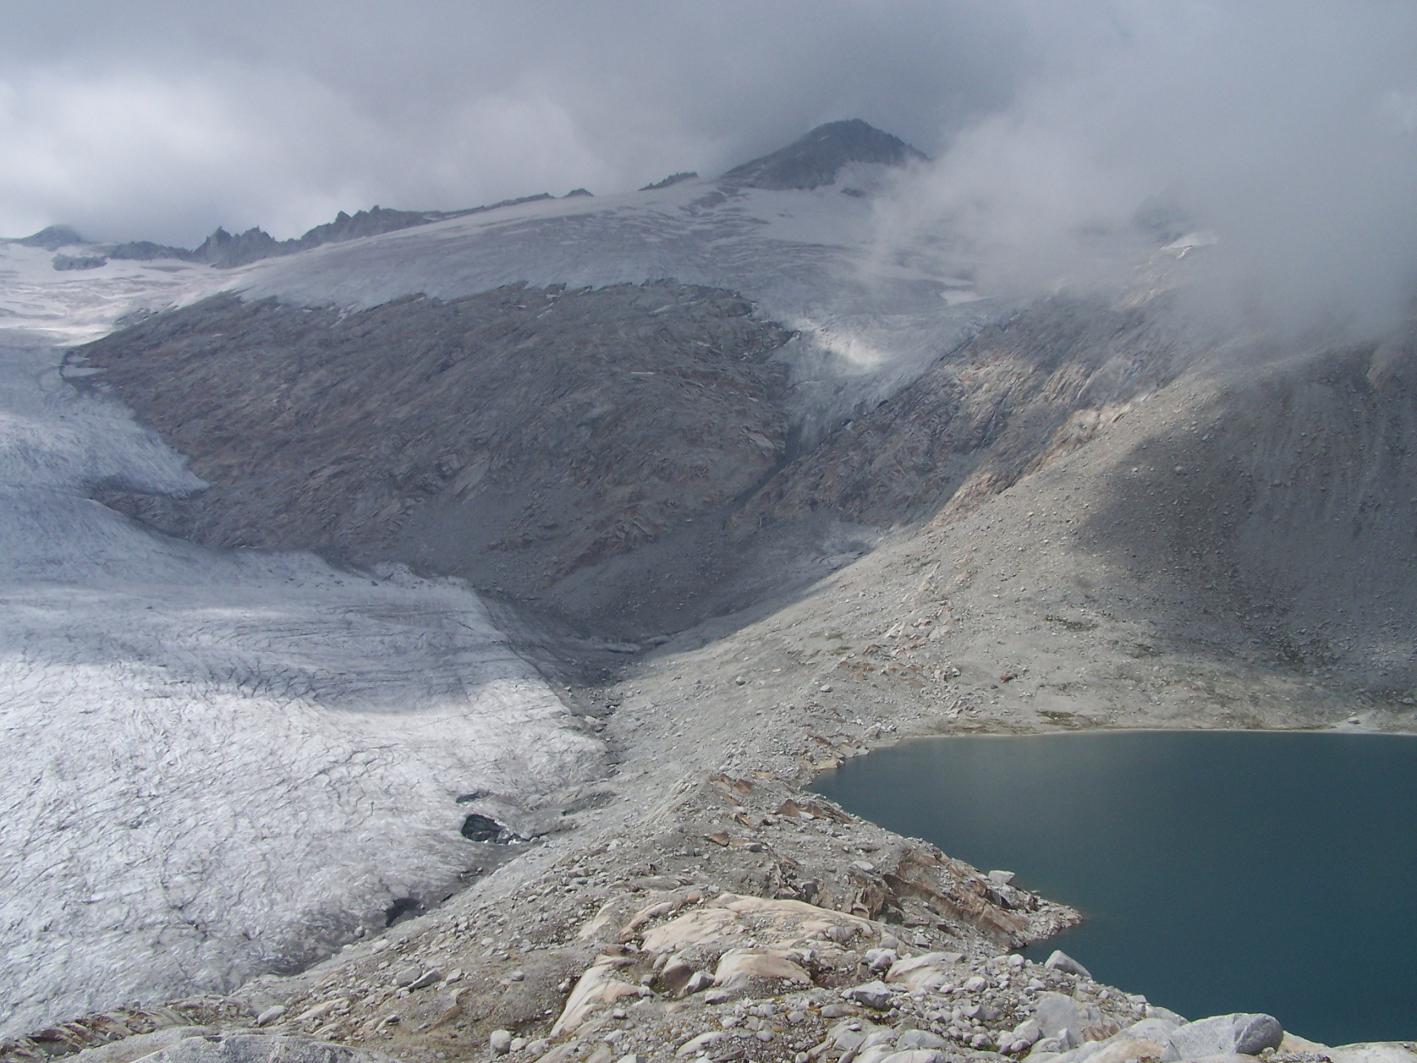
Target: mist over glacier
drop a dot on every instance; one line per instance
(1286, 134)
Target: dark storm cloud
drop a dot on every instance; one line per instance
(163, 119)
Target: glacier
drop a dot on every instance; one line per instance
(219, 764)
(215, 764)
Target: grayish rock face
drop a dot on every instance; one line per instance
(671, 179)
(531, 440)
(817, 158)
(51, 238)
(1240, 1034)
(225, 250)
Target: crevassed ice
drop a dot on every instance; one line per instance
(213, 764)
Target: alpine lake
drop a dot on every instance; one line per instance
(1216, 871)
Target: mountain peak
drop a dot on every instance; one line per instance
(52, 237)
(816, 159)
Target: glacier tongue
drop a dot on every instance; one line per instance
(216, 763)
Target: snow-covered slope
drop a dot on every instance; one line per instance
(216, 763)
(869, 322)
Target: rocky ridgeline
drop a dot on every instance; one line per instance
(739, 919)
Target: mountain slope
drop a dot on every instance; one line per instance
(528, 439)
(753, 495)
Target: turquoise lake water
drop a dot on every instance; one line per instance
(1217, 871)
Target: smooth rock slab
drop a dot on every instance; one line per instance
(927, 972)
(1374, 1052)
(1237, 1034)
(1059, 960)
(702, 1041)
(913, 1039)
(140, 1046)
(738, 968)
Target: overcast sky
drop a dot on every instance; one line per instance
(161, 120)
(1288, 125)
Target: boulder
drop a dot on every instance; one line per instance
(424, 980)
(1061, 961)
(876, 995)
(1047, 1050)
(1238, 1034)
(1064, 1019)
(731, 918)
(880, 959)
(1295, 1044)
(1057, 1017)
(1028, 1032)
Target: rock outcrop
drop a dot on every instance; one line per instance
(817, 158)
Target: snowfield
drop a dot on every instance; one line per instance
(215, 764)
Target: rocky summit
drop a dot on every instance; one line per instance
(818, 157)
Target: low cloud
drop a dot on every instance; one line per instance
(161, 120)
(1289, 129)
